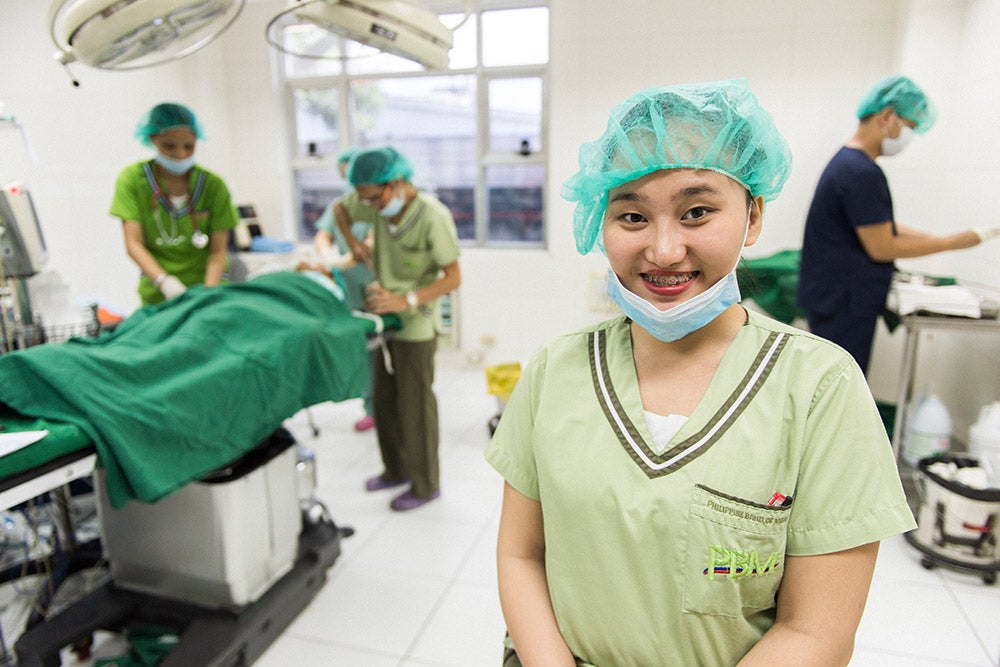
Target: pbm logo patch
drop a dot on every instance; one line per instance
(735, 563)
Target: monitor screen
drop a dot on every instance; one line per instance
(22, 247)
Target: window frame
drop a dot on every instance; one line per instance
(486, 157)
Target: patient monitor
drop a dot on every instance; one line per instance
(22, 247)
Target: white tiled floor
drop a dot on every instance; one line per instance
(414, 588)
(418, 588)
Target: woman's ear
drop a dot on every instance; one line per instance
(885, 116)
(756, 221)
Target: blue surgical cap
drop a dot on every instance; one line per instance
(718, 126)
(378, 165)
(164, 117)
(906, 99)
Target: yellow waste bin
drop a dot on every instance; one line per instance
(500, 382)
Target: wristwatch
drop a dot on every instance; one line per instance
(411, 301)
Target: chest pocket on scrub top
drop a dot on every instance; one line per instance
(735, 554)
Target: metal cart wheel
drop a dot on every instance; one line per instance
(989, 578)
(928, 563)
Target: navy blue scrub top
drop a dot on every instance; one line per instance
(836, 275)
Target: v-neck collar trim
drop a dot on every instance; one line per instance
(675, 457)
(413, 213)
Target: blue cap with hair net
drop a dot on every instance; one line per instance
(164, 117)
(378, 165)
(906, 99)
(718, 126)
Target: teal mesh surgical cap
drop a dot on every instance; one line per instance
(164, 117)
(906, 99)
(718, 126)
(378, 165)
(347, 154)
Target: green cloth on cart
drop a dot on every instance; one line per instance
(62, 439)
(772, 282)
(182, 388)
(148, 646)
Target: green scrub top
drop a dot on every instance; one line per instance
(360, 214)
(676, 558)
(410, 255)
(168, 238)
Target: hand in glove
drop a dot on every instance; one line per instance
(986, 233)
(328, 256)
(171, 287)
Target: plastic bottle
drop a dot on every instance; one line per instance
(928, 432)
(984, 441)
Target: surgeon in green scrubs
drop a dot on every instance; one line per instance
(175, 215)
(415, 261)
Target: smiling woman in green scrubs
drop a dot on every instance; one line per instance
(688, 483)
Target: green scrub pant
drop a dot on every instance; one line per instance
(406, 415)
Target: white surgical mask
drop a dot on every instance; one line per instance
(892, 146)
(175, 167)
(394, 206)
(676, 322)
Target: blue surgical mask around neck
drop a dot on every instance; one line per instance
(394, 206)
(675, 323)
(175, 167)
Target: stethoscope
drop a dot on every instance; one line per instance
(199, 239)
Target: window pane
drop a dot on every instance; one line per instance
(516, 37)
(515, 202)
(461, 201)
(463, 50)
(316, 188)
(363, 59)
(421, 109)
(324, 46)
(316, 121)
(432, 121)
(516, 115)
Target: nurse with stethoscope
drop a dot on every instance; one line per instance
(176, 216)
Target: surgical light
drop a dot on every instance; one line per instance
(129, 34)
(398, 27)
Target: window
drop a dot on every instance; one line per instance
(474, 132)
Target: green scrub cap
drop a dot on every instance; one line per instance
(378, 165)
(906, 99)
(718, 126)
(163, 117)
(347, 154)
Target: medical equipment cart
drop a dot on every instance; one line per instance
(213, 631)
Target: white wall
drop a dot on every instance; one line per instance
(808, 60)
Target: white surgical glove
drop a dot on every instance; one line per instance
(986, 233)
(328, 255)
(172, 287)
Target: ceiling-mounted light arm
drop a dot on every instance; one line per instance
(65, 59)
(399, 27)
(129, 34)
(468, 4)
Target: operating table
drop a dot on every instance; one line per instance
(175, 394)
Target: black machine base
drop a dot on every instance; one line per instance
(209, 637)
